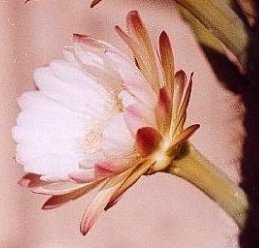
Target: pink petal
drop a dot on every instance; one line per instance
(147, 140)
(164, 100)
(185, 135)
(58, 188)
(185, 98)
(95, 210)
(135, 48)
(100, 201)
(93, 44)
(137, 173)
(164, 110)
(167, 60)
(181, 115)
(139, 33)
(31, 180)
(88, 41)
(179, 86)
(60, 199)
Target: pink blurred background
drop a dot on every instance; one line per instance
(159, 211)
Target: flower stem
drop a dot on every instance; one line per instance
(196, 169)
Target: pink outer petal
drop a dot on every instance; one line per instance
(167, 60)
(95, 209)
(185, 135)
(164, 110)
(148, 140)
(31, 180)
(139, 33)
(94, 44)
(88, 41)
(138, 172)
(181, 115)
(164, 101)
(100, 201)
(179, 86)
(60, 199)
(135, 48)
(59, 188)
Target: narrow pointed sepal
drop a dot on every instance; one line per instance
(140, 35)
(180, 83)
(181, 139)
(58, 200)
(136, 174)
(181, 114)
(100, 201)
(167, 60)
(164, 110)
(185, 135)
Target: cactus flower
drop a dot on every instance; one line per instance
(99, 120)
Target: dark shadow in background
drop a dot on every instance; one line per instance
(249, 238)
(248, 89)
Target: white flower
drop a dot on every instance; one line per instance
(98, 120)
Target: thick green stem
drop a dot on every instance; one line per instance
(196, 169)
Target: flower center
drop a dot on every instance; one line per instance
(92, 140)
(118, 106)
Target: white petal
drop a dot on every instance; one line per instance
(50, 135)
(126, 98)
(73, 89)
(147, 114)
(134, 82)
(88, 57)
(52, 165)
(117, 142)
(96, 65)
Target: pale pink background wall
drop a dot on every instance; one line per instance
(159, 211)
